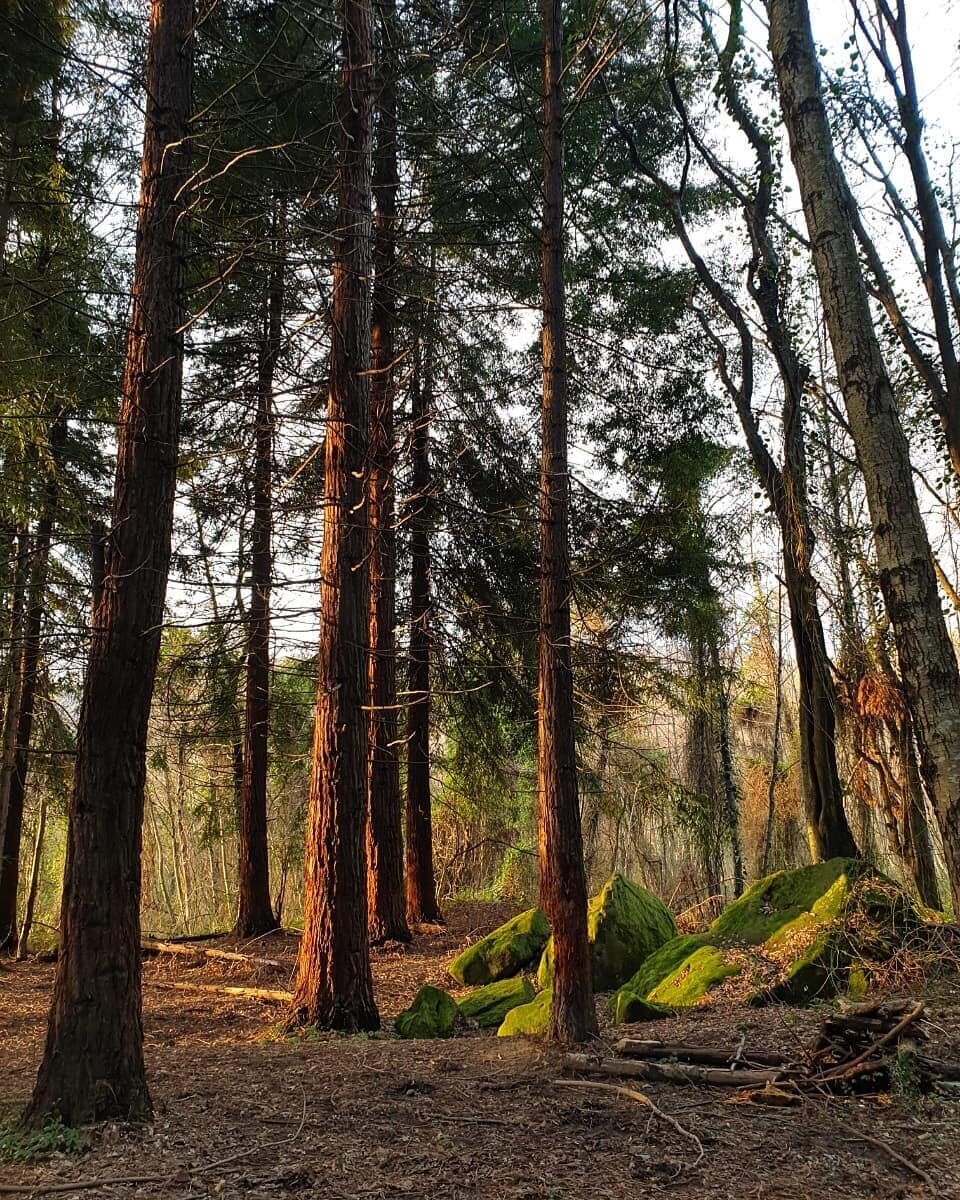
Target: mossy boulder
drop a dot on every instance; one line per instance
(532, 1019)
(677, 975)
(433, 1014)
(504, 952)
(629, 1009)
(490, 1004)
(625, 925)
(795, 929)
(773, 909)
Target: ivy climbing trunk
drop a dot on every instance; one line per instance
(92, 1067)
(334, 987)
(926, 657)
(563, 889)
(255, 914)
(386, 906)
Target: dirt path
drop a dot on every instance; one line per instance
(243, 1115)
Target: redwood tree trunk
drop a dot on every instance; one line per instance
(421, 885)
(29, 672)
(926, 657)
(385, 898)
(92, 1067)
(255, 914)
(563, 889)
(334, 988)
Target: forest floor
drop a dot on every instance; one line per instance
(245, 1114)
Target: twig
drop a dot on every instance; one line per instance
(887, 1149)
(640, 1098)
(181, 1174)
(50, 1189)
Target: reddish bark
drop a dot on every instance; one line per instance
(334, 988)
(385, 899)
(16, 788)
(421, 885)
(255, 914)
(563, 888)
(92, 1067)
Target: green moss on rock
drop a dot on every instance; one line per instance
(625, 924)
(629, 1008)
(532, 1019)
(788, 901)
(807, 925)
(504, 952)
(490, 1004)
(814, 974)
(679, 974)
(433, 1014)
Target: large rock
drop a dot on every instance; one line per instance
(795, 930)
(774, 909)
(679, 974)
(489, 1005)
(433, 1014)
(625, 925)
(532, 1019)
(504, 952)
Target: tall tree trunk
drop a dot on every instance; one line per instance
(421, 888)
(731, 797)
(92, 1067)
(13, 674)
(255, 914)
(767, 847)
(918, 845)
(33, 885)
(563, 888)
(786, 486)
(29, 672)
(927, 661)
(938, 260)
(334, 987)
(385, 894)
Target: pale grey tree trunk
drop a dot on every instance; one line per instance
(907, 579)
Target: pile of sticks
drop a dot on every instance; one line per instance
(856, 1049)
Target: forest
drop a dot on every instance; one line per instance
(479, 599)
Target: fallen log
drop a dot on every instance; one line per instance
(222, 989)
(184, 938)
(862, 1062)
(710, 1055)
(149, 946)
(590, 1064)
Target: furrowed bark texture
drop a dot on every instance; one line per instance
(29, 674)
(13, 675)
(334, 988)
(421, 888)
(92, 1067)
(563, 889)
(927, 662)
(255, 914)
(385, 892)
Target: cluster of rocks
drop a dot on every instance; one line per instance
(791, 937)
